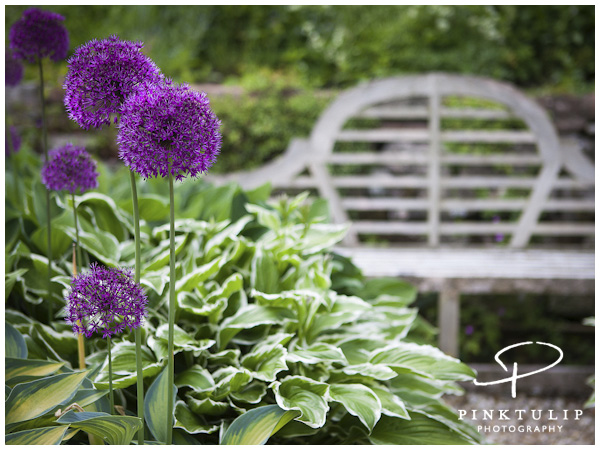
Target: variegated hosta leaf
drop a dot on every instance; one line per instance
(305, 395)
(17, 367)
(189, 281)
(376, 371)
(420, 430)
(251, 393)
(391, 405)
(37, 436)
(195, 377)
(124, 368)
(190, 422)
(422, 359)
(265, 362)
(30, 400)
(418, 390)
(359, 400)
(317, 353)
(183, 339)
(115, 430)
(155, 403)
(230, 379)
(14, 344)
(257, 425)
(207, 407)
(358, 350)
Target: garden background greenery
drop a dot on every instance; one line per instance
(308, 315)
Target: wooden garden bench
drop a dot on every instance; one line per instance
(459, 184)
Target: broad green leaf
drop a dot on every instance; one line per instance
(162, 258)
(322, 236)
(190, 422)
(389, 292)
(420, 430)
(14, 343)
(317, 353)
(156, 280)
(200, 274)
(17, 367)
(155, 404)
(266, 217)
(251, 393)
(332, 321)
(358, 351)
(305, 395)
(60, 240)
(37, 436)
(230, 379)
(183, 339)
(115, 430)
(257, 425)
(101, 244)
(232, 231)
(359, 400)
(10, 279)
(195, 377)
(265, 362)
(419, 391)
(30, 400)
(152, 207)
(108, 216)
(391, 405)
(422, 359)
(252, 316)
(207, 407)
(124, 366)
(264, 276)
(376, 371)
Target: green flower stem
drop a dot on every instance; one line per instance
(48, 224)
(111, 397)
(171, 363)
(13, 160)
(80, 343)
(138, 331)
(79, 260)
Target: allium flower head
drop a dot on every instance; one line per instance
(13, 69)
(168, 125)
(101, 75)
(15, 141)
(70, 168)
(105, 300)
(39, 34)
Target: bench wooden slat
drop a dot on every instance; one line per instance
(420, 112)
(508, 137)
(384, 135)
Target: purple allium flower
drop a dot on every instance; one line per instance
(15, 141)
(105, 300)
(13, 69)
(70, 168)
(101, 75)
(39, 34)
(469, 330)
(168, 124)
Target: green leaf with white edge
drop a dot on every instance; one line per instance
(422, 359)
(30, 400)
(162, 258)
(17, 367)
(358, 351)
(419, 391)
(324, 322)
(190, 422)
(191, 280)
(232, 284)
(256, 426)
(317, 353)
(322, 236)
(359, 400)
(266, 217)
(207, 407)
(37, 436)
(305, 395)
(101, 244)
(251, 393)
(231, 232)
(115, 430)
(265, 362)
(156, 280)
(152, 207)
(264, 276)
(420, 430)
(183, 339)
(251, 316)
(195, 377)
(376, 371)
(108, 216)
(14, 343)
(10, 279)
(388, 292)
(155, 403)
(391, 404)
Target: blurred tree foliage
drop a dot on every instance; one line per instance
(337, 46)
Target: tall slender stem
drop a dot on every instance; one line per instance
(13, 160)
(48, 224)
(79, 260)
(171, 363)
(80, 343)
(138, 331)
(111, 397)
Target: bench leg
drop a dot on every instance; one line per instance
(449, 318)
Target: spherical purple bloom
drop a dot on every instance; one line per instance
(13, 69)
(101, 75)
(105, 300)
(39, 34)
(469, 329)
(168, 125)
(14, 145)
(70, 168)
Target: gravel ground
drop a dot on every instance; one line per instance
(572, 432)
